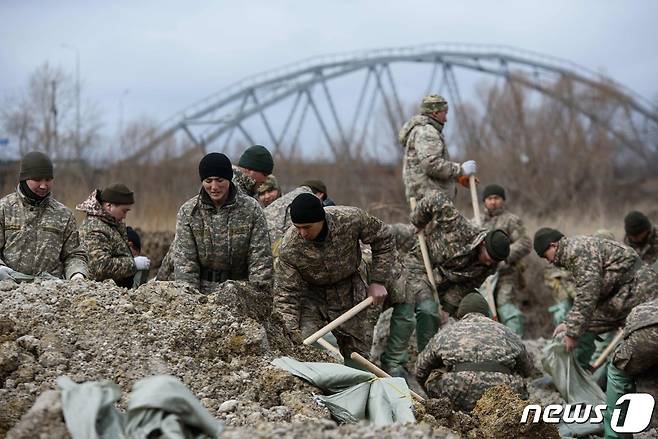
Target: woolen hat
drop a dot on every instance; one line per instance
(493, 189)
(35, 165)
(257, 158)
(117, 194)
(635, 223)
(497, 244)
(316, 186)
(215, 164)
(543, 239)
(306, 208)
(473, 302)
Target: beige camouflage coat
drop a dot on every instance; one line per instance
(40, 237)
(637, 353)
(328, 271)
(473, 339)
(107, 244)
(231, 239)
(610, 279)
(453, 244)
(277, 214)
(649, 251)
(427, 164)
(244, 182)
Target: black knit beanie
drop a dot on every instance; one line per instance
(215, 164)
(636, 222)
(257, 158)
(35, 165)
(497, 244)
(117, 194)
(306, 208)
(543, 239)
(473, 302)
(493, 189)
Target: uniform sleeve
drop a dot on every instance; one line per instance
(167, 266)
(185, 253)
(385, 263)
(521, 244)
(101, 262)
(428, 360)
(437, 206)
(588, 278)
(424, 211)
(430, 150)
(288, 287)
(260, 253)
(524, 364)
(73, 255)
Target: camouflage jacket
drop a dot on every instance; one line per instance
(637, 352)
(520, 244)
(303, 266)
(277, 214)
(40, 237)
(244, 182)
(405, 237)
(649, 251)
(600, 269)
(473, 339)
(106, 241)
(231, 239)
(452, 241)
(427, 164)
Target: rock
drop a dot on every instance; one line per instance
(228, 406)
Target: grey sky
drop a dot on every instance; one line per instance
(170, 54)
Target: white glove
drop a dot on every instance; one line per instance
(4, 270)
(78, 276)
(142, 263)
(469, 167)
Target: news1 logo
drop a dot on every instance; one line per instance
(638, 408)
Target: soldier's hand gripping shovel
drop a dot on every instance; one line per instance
(476, 212)
(339, 321)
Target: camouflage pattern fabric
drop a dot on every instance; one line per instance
(269, 184)
(277, 215)
(106, 241)
(474, 338)
(244, 182)
(418, 285)
(427, 164)
(231, 239)
(636, 353)
(610, 279)
(166, 270)
(510, 279)
(649, 251)
(40, 237)
(314, 282)
(452, 243)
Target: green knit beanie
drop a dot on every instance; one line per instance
(117, 194)
(316, 186)
(493, 189)
(544, 237)
(497, 244)
(473, 302)
(35, 165)
(635, 223)
(257, 158)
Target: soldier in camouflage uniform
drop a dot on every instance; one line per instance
(38, 234)
(221, 234)
(318, 273)
(510, 271)
(634, 365)
(269, 191)
(462, 255)
(104, 234)
(475, 353)
(254, 166)
(610, 279)
(277, 215)
(427, 166)
(641, 236)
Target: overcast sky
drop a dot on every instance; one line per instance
(160, 56)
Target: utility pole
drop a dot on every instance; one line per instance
(77, 96)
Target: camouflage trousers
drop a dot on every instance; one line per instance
(321, 305)
(464, 389)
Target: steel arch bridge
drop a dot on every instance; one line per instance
(274, 107)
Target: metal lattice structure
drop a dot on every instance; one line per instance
(283, 101)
